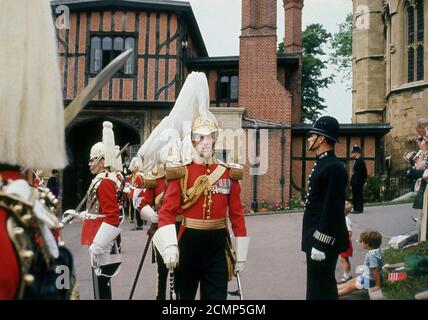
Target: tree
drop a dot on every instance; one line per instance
(341, 44)
(314, 38)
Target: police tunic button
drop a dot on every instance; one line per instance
(208, 170)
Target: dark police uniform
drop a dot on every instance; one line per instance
(324, 226)
(359, 176)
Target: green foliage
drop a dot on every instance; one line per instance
(296, 202)
(341, 44)
(372, 189)
(314, 38)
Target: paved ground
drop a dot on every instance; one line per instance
(276, 267)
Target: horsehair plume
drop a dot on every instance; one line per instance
(109, 145)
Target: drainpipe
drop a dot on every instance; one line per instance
(282, 178)
(254, 203)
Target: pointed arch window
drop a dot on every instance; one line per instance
(415, 40)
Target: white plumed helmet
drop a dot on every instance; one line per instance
(106, 148)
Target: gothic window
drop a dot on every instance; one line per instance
(106, 48)
(415, 40)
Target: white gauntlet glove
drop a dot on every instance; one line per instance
(317, 255)
(95, 249)
(165, 240)
(242, 244)
(170, 256)
(147, 213)
(72, 215)
(239, 266)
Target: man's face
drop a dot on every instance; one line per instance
(421, 131)
(96, 165)
(314, 142)
(355, 155)
(204, 145)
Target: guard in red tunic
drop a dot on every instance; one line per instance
(136, 190)
(31, 102)
(101, 217)
(203, 191)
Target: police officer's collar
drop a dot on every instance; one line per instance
(325, 154)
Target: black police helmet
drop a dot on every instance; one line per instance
(326, 126)
(356, 149)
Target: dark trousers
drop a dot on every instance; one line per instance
(357, 197)
(101, 286)
(136, 213)
(320, 278)
(202, 261)
(162, 276)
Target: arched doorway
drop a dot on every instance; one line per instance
(79, 139)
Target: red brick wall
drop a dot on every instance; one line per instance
(262, 92)
(268, 184)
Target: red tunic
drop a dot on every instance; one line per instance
(108, 206)
(36, 182)
(171, 205)
(136, 184)
(9, 266)
(150, 194)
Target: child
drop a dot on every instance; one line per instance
(344, 256)
(371, 241)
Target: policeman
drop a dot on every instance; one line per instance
(358, 179)
(324, 233)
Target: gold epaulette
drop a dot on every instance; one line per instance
(149, 183)
(236, 171)
(176, 172)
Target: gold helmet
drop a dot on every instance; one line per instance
(204, 126)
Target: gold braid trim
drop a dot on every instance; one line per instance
(236, 173)
(149, 183)
(159, 200)
(201, 186)
(177, 172)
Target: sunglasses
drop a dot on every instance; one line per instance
(420, 139)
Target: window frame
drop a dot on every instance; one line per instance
(229, 75)
(113, 35)
(415, 66)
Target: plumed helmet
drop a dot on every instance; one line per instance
(106, 148)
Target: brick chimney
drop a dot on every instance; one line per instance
(260, 93)
(293, 25)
